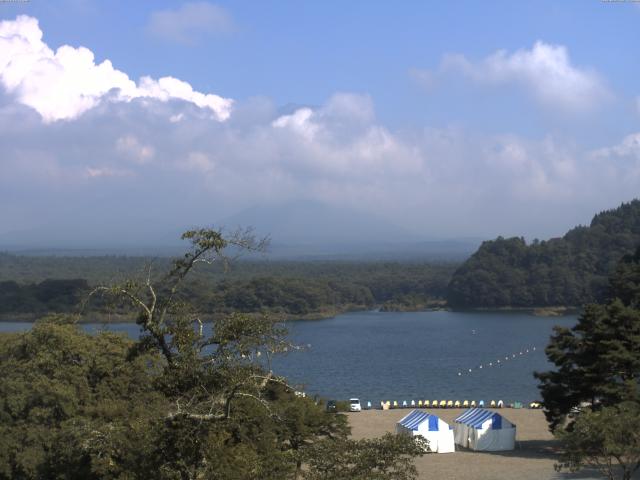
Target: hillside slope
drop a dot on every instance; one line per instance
(567, 271)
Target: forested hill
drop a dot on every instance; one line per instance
(567, 271)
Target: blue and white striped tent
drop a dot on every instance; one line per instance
(437, 432)
(484, 430)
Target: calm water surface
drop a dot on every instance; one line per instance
(402, 356)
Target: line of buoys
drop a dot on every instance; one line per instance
(499, 361)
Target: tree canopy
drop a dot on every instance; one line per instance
(568, 271)
(606, 440)
(182, 402)
(597, 360)
(34, 286)
(592, 398)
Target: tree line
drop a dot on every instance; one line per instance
(293, 289)
(567, 271)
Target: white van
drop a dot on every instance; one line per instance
(354, 405)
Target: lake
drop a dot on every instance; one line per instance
(418, 355)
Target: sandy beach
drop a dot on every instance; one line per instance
(533, 458)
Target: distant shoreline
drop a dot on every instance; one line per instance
(556, 311)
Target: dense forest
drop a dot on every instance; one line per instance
(567, 271)
(38, 285)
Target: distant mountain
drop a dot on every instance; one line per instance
(311, 231)
(298, 230)
(314, 223)
(567, 271)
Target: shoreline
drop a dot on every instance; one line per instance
(98, 317)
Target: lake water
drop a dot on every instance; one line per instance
(402, 356)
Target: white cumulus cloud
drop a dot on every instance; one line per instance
(63, 84)
(628, 148)
(545, 70)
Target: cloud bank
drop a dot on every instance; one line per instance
(64, 84)
(106, 157)
(545, 72)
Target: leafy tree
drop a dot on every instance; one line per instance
(607, 440)
(73, 405)
(303, 424)
(184, 402)
(387, 458)
(592, 400)
(598, 359)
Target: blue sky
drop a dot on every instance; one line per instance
(483, 118)
(303, 52)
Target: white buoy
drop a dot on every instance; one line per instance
(480, 366)
(470, 370)
(490, 364)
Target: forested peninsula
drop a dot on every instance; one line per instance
(567, 271)
(34, 286)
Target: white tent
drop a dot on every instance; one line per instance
(484, 430)
(437, 432)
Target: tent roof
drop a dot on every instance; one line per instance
(416, 417)
(475, 417)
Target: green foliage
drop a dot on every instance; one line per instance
(567, 271)
(292, 289)
(607, 440)
(598, 359)
(592, 400)
(625, 281)
(177, 404)
(71, 402)
(60, 296)
(387, 458)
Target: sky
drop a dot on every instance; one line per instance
(125, 121)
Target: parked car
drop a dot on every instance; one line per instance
(354, 405)
(332, 406)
